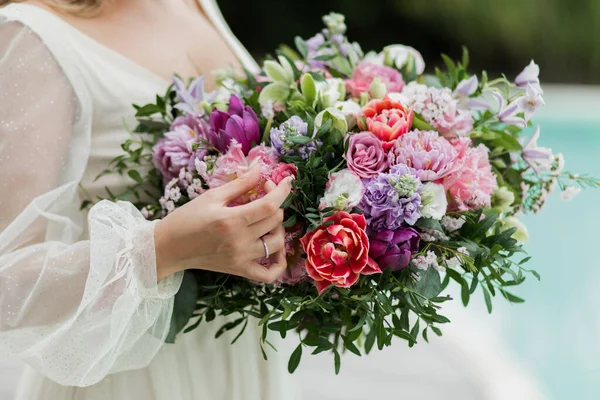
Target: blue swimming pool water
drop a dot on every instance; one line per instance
(556, 333)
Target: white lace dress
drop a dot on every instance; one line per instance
(79, 302)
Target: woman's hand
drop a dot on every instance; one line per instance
(207, 234)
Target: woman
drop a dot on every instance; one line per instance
(87, 303)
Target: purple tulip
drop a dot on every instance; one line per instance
(240, 123)
(394, 249)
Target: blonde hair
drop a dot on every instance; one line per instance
(83, 8)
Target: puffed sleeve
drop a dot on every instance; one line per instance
(75, 310)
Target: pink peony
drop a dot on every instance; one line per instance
(338, 254)
(426, 153)
(365, 156)
(386, 119)
(282, 171)
(365, 72)
(472, 183)
(234, 164)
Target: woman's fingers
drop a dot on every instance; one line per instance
(275, 241)
(261, 228)
(239, 186)
(271, 273)
(268, 205)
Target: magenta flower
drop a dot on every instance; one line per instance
(428, 155)
(240, 123)
(394, 249)
(365, 156)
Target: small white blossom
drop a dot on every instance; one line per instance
(170, 206)
(433, 201)
(531, 101)
(423, 262)
(267, 110)
(402, 57)
(569, 193)
(451, 224)
(343, 191)
(463, 250)
(521, 234)
(331, 91)
(351, 111)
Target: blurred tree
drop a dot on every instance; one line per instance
(563, 36)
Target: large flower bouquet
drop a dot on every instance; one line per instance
(405, 183)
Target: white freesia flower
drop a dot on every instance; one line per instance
(401, 56)
(338, 118)
(433, 201)
(521, 234)
(351, 111)
(331, 91)
(569, 193)
(343, 192)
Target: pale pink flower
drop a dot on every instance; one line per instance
(427, 154)
(365, 72)
(472, 183)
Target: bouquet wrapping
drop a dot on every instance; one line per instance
(405, 183)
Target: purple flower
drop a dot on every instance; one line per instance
(175, 151)
(392, 199)
(508, 113)
(239, 123)
(280, 138)
(529, 76)
(189, 97)
(394, 249)
(540, 159)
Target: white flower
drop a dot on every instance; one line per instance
(529, 76)
(351, 110)
(463, 250)
(331, 91)
(267, 110)
(335, 23)
(569, 193)
(343, 192)
(402, 57)
(531, 101)
(521, 234)
(374, 58)
(433, 201)
(338, 118)
(540, 159)
(451, 224)
(423, 262)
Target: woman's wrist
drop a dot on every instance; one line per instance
(165, 265)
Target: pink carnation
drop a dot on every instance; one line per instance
(282, 171)
(472, 183)
(365, 72)
(426, 153)
(234, 164)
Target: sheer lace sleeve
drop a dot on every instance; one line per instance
(74, 310)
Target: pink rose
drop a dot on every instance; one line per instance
(387, 119)
(339, 253)
(365, 72)
(282, 171)
(366, 156)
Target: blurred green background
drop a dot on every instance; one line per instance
(555, 333)
(563, 36)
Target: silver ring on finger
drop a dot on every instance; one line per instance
(267, 254)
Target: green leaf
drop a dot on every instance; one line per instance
(326, 127)
(535, 273)
(464, 294)
(276, 92)
(370, 340)
(511, 297)
(309, 89)
(351, 347)
(325, 57)
(184, 305)
(337, 361)
(419, 123)
(295, 359)
(487, 298)
(135, 175)
(506, 141)
(450, 65)
(465, 57)
(300, 139)
(360, 323)
(301, 46)
(276, 72)
(429, 283)
(291, 221)
(429, 223)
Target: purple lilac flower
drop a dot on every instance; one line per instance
(392, 199)
(190, 97)
(239, 123)
(394, 249)
(283, 146)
